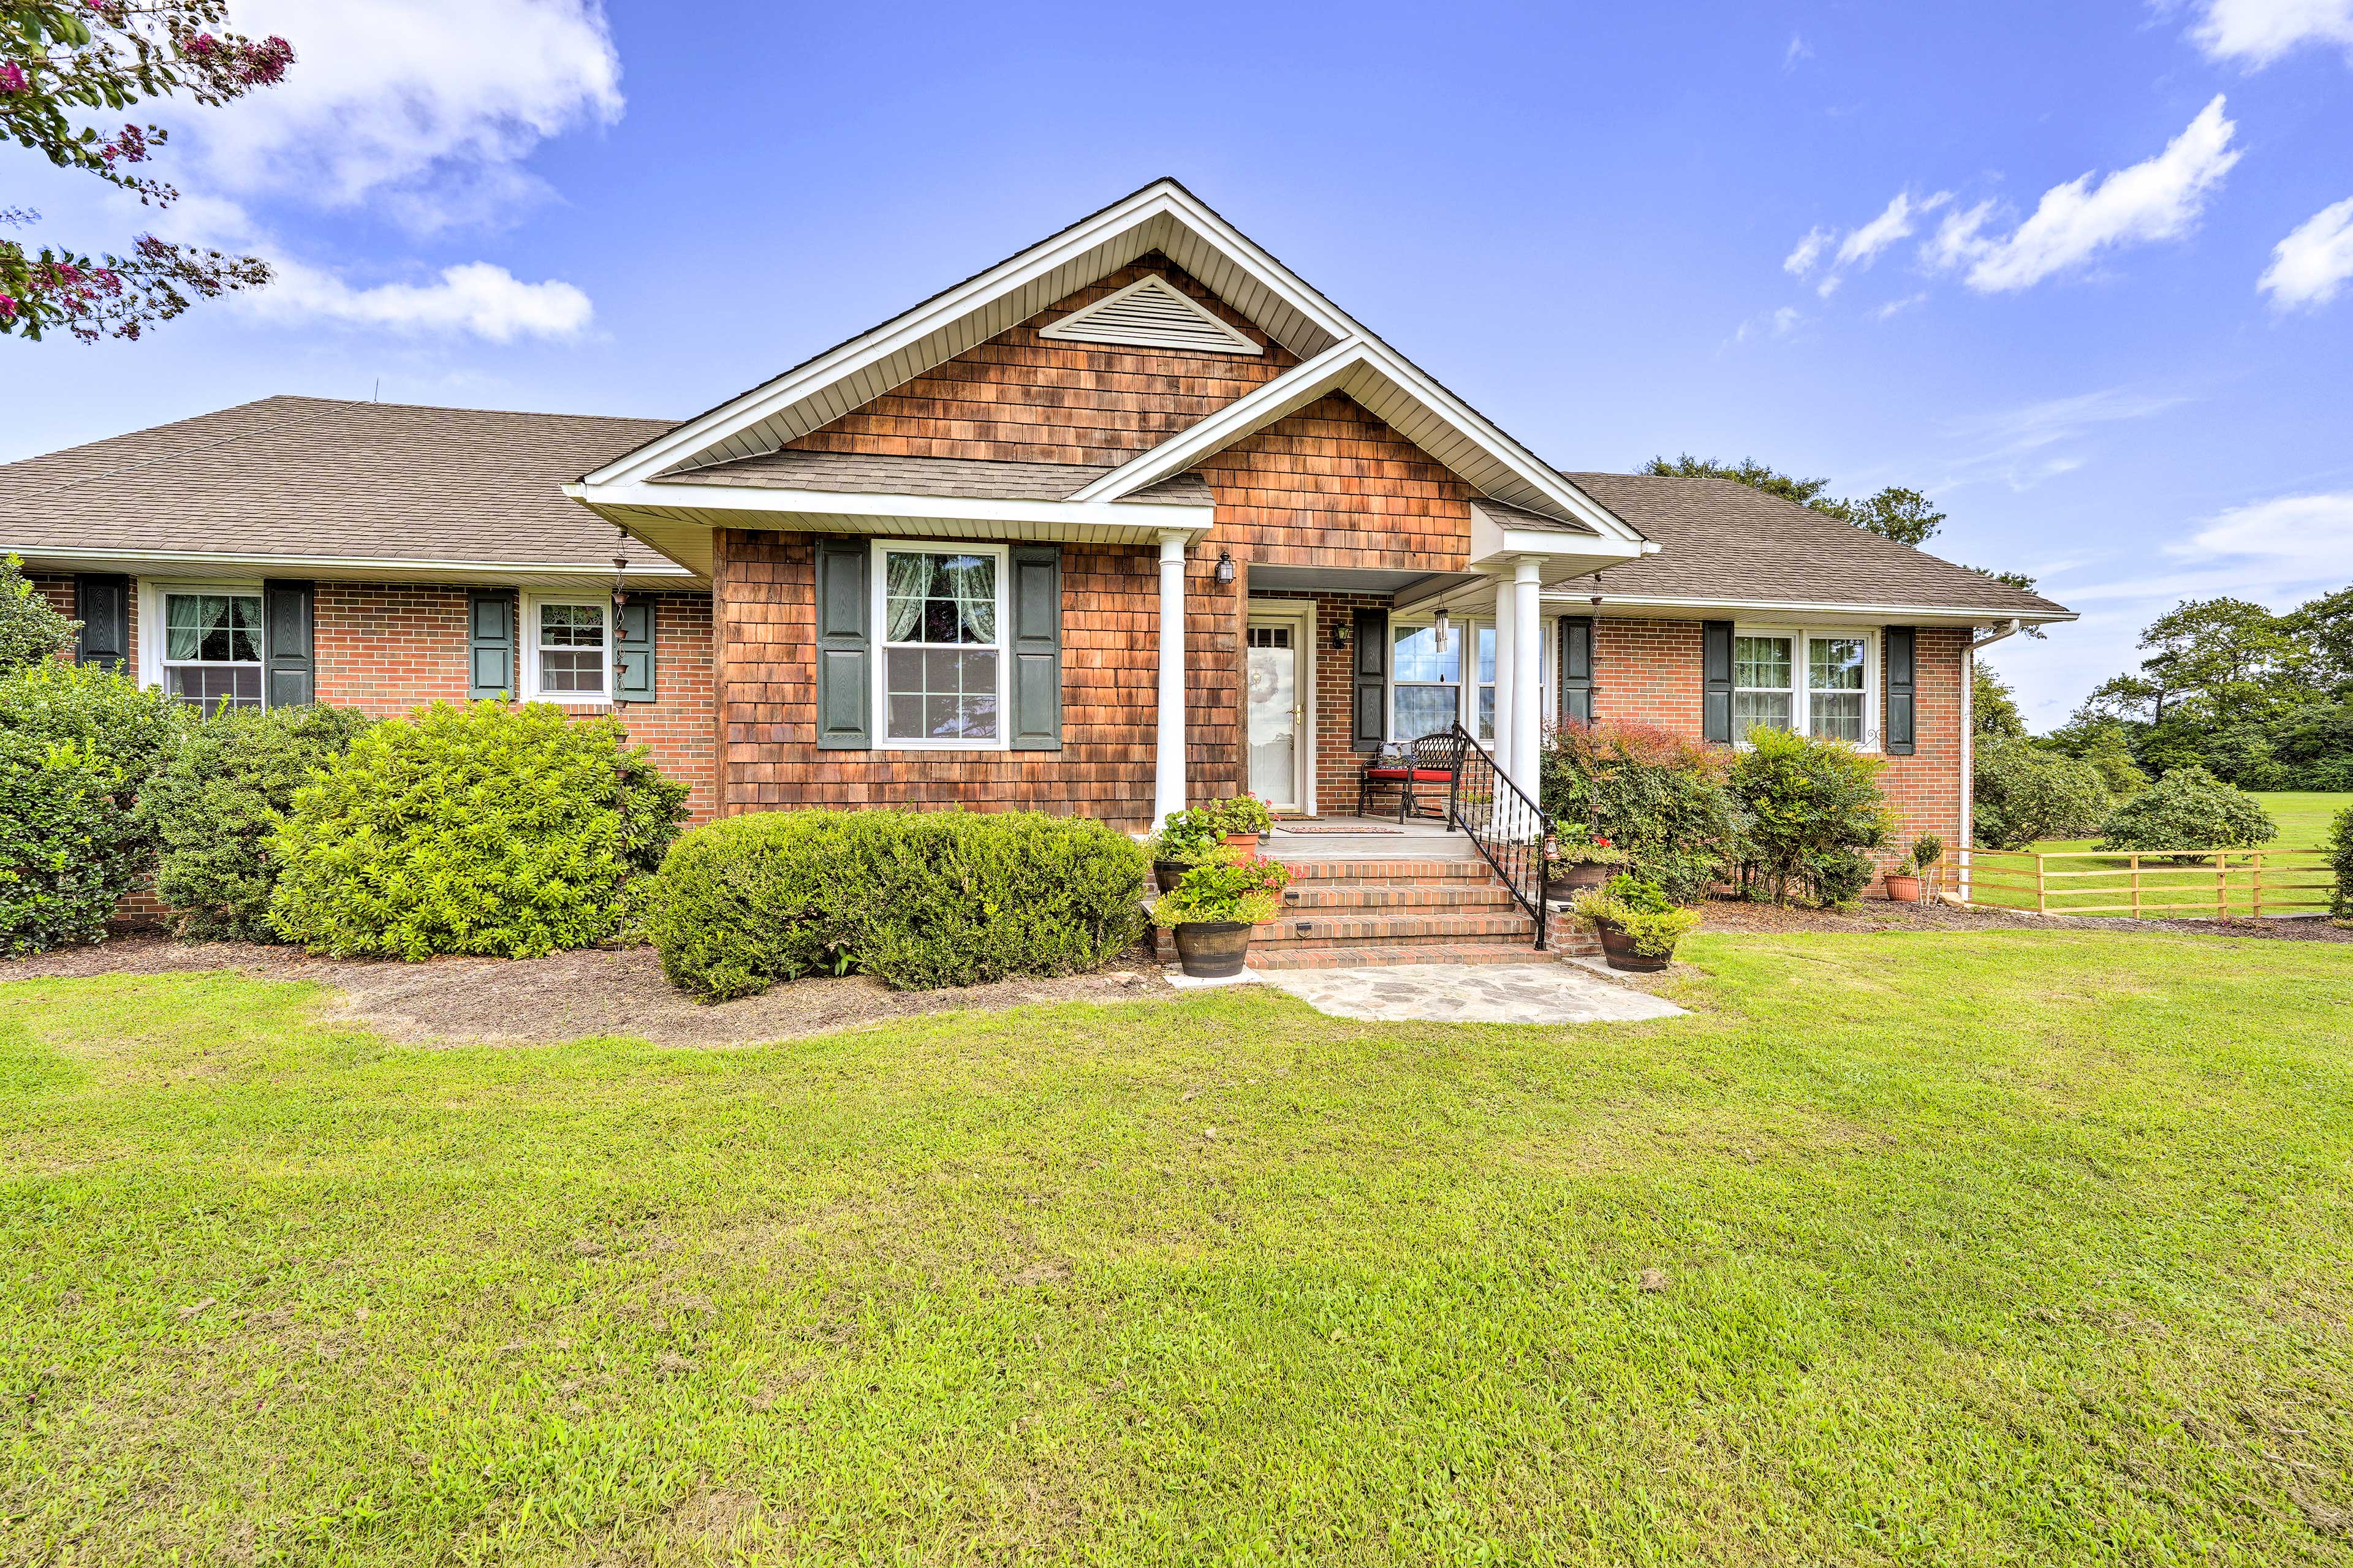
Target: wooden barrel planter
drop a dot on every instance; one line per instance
(1617, 951)
(1168, 873)
(1581, 878)
(1213, 950)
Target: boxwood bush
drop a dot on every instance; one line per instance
(65, 844)
(484, 829)
(921, 899)
(2188, 808)
(1811, 808)
(210, 812)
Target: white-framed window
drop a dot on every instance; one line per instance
(204, 643)
(940, 620)
(1428, 689)
(1818, 681)
(567, 645)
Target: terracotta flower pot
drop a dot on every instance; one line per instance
(1903, 890)
(1168, 873)
(1245, 842)
(1213, 950)
(1617, 951)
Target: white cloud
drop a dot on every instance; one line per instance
(475, 298)
(2016, 447)
(2160, 199)
(1809, 249)
(2315, 532)
(2255, 33)
(1798, 50)
(1780, 323)
(1894, 223)
(1897, 307)
(2314, 261)
(422, 109)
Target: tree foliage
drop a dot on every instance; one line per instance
(2022, 793)
(61, 62)
(2188, 808)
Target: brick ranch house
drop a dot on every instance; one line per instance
(1134, 516)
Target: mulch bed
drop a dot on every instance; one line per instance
(572, 995)
(1878, 914)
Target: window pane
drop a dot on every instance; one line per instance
(572, 670)
(1486, 712)
(1834, 664)
(215, 627)
(939, 598)
(1838, 715)
(1426, 710)
(939, 694)
(216, 686)
(571, 625)
(1487, 654)
(1418, 658)
(1758, 710)
(1761, 662)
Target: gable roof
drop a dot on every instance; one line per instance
(1729, 544)
(878, 474)
(1338, 353)
(317, 485)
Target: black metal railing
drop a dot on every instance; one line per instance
(1509, 829)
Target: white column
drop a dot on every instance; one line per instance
(1504, 675)
(1527, 679)
(1168, 765)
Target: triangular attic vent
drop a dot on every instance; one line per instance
(1150, 314)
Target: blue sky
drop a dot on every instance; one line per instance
(1618, 230)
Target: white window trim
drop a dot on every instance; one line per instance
(1467, 629)
(877, 618)
(527, 635)
(1800, 694)
(150, 622)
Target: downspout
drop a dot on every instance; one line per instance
(1970, 741)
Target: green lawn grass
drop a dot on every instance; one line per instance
(2304, 818)
(1996, 1247)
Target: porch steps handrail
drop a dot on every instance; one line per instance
(1508, 830)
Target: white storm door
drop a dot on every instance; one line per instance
(1277, 701)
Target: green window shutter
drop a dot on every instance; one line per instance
(844, 708)
(1715, 678)
(1903, 681)
(1036, 602)
(103, 605)
(1372, 671)
(490, 645)
(1577, 669)
(633, 650)
(288, 672)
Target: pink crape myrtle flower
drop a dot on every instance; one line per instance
(12, 77)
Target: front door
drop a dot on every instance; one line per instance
(1278, 712)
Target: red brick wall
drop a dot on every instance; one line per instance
(1648, 673)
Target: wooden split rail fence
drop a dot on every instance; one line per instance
(2180, 884)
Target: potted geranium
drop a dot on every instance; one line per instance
(1640, 929)
(1903, 877)
(1241, 819)
(1187, 838)
(1578, 859)
(1214, 908)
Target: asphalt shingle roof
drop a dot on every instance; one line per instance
(875, 474)
(318, 476)
(1727, 542)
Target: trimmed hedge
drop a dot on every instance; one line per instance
(507, 832)
(65, 845)
(921, 899)
(212, 810)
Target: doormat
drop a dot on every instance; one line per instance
(1283, 824)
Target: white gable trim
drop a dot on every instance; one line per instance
(1162, 216)
(1196, 330)
(1389, 386)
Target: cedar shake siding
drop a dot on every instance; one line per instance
(765, 598)
(1021, 398)
(1332, 486)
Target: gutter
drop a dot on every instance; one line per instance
(2016, 625)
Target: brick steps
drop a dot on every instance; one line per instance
(1419, 930)
(1453, 896)
(1393, 953)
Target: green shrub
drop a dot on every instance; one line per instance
(64, 844)
(1651, 792)
(30, 630)
(1192, 837)
(2340, 861)
(211, 811)
(1240, 814)
(482, 829)
(2188, 808)
(921, 899)
(112, 717)
(1642, 911)
(1233, 888)
(1811, 807)
(2024, 792)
